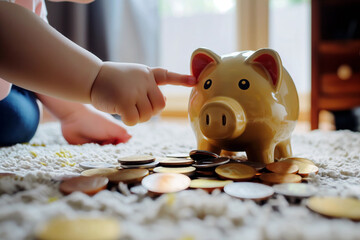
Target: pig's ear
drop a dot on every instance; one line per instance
(200, 59)
(270, 61)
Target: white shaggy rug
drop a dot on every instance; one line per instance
(26, 203)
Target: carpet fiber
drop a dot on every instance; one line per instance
(33, 199)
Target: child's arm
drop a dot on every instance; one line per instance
(82, 124)
(37, 57)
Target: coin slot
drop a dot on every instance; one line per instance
(223, 120)
(207, 119)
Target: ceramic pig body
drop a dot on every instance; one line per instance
(245, 101)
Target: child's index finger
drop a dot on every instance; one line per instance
(163, 76)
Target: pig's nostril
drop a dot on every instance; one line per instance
(223, 120)
(207, 119)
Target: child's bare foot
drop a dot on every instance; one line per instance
(92, 126)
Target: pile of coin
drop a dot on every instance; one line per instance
(199, 169)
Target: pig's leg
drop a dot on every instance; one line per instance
(205, 145)
(226, 153)
(283, 149)
(261, 153)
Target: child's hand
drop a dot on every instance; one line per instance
(131, 90)
(89, 125)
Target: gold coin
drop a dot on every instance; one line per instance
(136, 159)
(166, 182)
(282, 167)
(87, 185)
(249, 190)
(79, 228)
(182, 170)
(128, 176)
(257, 165)
(98, 172)
(305, 168)
(299, 190)
(300, 159)
(277, 178)
(175, 161)
(209, 184)
(235, 171)
(335, 207)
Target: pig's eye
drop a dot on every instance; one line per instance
(207, 84)
(244, 84)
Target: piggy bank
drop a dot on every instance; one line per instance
(244, 101)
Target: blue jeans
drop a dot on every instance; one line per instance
(19, 117)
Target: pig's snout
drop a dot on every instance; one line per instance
(222, 118)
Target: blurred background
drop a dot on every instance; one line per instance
(318, 41)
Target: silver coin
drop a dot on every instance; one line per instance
(249, 190)
(300, 190)
(139, 190)
(178, 155)
(146, 165)
(93, 165)
(210, 163)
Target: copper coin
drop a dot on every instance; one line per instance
(249, 190)
(175, 161)
(299, 190)
(206, 173)
(305, 168)
(257, 165)
(300, 159)
(136, 159)
(79, 228)
(128, 176)
(335, 207)
(92, 165)
(87, 185)
(98, 172)
(182, 170)
(201, 154)
(277, 178)
(7, 174)
(209, 184)
(282, 167)
(166, 182)
(146, 165)
(211, 162)
(235, 171)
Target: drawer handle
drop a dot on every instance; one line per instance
(344, 72)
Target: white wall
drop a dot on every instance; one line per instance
(180, 36)
(289, 34)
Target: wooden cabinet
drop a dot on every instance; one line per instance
(335, 61)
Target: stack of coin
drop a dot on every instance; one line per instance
(138, 161)
(175, 162)
(208, 171)
(206, 162)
